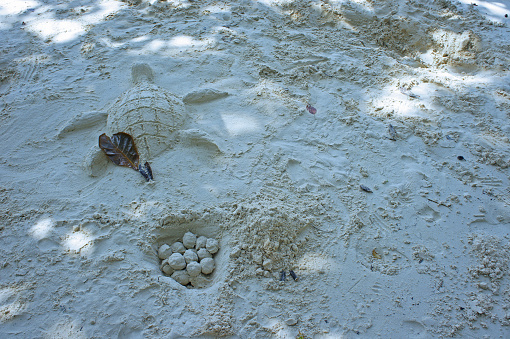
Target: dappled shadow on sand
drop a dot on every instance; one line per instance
(424, 67)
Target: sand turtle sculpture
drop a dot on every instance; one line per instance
(149, 113)
(154, 117)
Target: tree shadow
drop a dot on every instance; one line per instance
(273, 57)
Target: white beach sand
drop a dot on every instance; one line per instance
(425, 255)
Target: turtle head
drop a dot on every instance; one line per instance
(141, 73)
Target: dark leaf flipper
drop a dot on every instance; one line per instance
(121, 149)
(146, 171)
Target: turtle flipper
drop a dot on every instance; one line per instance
(95, 162)
(196, 137)
(83, 121)
(142, 72)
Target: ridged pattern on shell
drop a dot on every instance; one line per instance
(150, 114)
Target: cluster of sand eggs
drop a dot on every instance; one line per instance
(189, 261)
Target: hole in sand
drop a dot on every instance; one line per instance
(190, 253)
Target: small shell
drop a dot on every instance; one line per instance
(365, 188)
(375, 254)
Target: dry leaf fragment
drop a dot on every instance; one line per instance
(121, 149)
(375, 254)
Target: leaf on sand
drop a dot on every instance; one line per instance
(120, 149)
(375, 254)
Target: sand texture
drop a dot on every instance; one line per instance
(351, 158)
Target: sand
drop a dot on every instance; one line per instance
(424, 255)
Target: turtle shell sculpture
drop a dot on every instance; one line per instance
(153, 116)
(149, 113)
